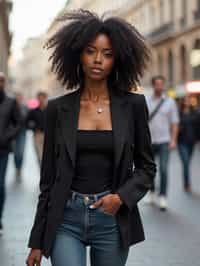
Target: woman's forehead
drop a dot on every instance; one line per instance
(101, 39)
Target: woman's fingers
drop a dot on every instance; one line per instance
(34, 258)
(97, 204)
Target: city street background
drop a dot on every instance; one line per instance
(172, 237)
(172, 31)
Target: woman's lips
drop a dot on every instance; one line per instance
(96, 70)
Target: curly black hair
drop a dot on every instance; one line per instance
(131, 54)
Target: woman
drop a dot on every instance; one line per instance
(89, 192)
(186, 139)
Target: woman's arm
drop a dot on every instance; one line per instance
(46, 180)
(145, 169)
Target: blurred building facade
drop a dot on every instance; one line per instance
(29, 73)
(172, 27)
(5, 35)
(97, 6)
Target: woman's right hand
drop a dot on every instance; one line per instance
(34, 257)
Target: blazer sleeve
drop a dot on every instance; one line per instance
(47, 176)
(145, 169)
(16, 122)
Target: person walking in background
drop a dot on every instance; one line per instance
(89, 190)
(197, 125)
(35, 121)
(10, 123)
(186, 139)
(19, 142)
(163, 121)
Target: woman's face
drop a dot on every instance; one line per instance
(97, 58)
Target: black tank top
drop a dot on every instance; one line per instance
(94, 161)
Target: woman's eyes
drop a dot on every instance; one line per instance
(106, 54)
(90, 51)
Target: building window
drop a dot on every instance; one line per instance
(161, 12)
(183, 61)
(170, 68)
(152, 16)
(160, 64)
(197, 12)
(195, 60)
(184, 13)
(171, 8)
(198, 4)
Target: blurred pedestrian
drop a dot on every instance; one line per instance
(186, 139)
(35, 121)
(89, 191)
(197, 125)
(19, 142)
(10, 122)
(163, 121)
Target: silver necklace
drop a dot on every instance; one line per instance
(99, 110)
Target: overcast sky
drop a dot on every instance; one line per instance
(31, 18)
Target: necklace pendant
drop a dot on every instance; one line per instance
(99, 110)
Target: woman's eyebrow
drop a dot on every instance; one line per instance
(104, 49)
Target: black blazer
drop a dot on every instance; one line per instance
(132, 144)
(10, 123)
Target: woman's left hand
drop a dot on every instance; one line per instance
(109, 204)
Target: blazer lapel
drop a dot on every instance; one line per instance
(120, 117)
(69, 112)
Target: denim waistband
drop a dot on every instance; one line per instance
(91, 197)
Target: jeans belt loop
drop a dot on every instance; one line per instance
(95, 198)
(73, 195)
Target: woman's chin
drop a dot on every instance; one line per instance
(96, 78)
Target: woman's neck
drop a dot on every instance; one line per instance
(95, 90)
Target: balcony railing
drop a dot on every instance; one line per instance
(162, 33)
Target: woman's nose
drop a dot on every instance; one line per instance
(98, 58)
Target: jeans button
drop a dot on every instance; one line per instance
(86, 199)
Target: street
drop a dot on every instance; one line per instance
(172, 237)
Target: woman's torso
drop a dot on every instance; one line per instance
(187, 128)
(94, 151)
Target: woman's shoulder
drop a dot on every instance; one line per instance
(135, 98)
(58, 100)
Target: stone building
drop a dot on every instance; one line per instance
(5, 35)
(172, 27)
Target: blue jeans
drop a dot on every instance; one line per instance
(83, 227)
(3, 166)
(162, 152)
(19, 146)
(185, 152)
